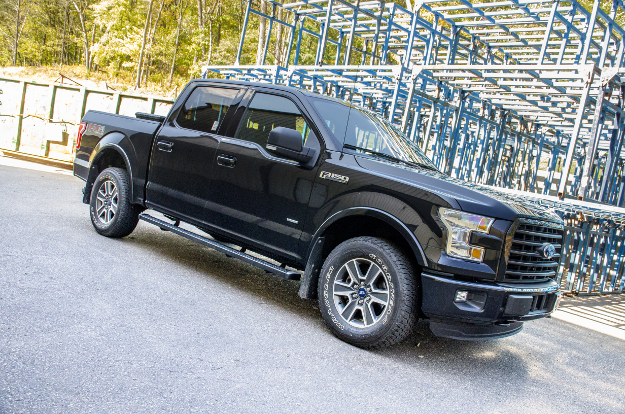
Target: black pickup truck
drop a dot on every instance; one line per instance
(328, 193)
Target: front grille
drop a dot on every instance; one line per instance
(526, 262)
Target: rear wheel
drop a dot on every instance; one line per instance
(112, 213)
(368, 293)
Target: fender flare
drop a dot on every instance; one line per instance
(110, 141)
(379, 214)
(313, 266)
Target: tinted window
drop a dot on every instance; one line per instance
(267, 112)
(334, 115)
(365, 132)
(205, 109)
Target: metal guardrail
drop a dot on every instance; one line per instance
(41, 119)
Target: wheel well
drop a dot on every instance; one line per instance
(107, 158)
(344, 229)
(355, 226)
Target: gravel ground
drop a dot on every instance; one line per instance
(156, 323)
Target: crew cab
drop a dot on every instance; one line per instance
(331, 194)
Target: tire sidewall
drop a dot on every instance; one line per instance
(107, 175)
(345, 252)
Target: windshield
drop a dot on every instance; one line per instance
(364, 132)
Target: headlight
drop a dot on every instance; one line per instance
(459, 227)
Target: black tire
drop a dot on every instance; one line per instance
(126, 215)
(370, 325)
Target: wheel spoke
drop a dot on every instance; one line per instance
(349, 310)
(379, 297)
(108, 215)
(368, 315)
(114, 193)
(372, 273)
(342, 289)
(101, 211)
(354, 271)
(100, 197)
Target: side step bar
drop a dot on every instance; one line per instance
(269, 267)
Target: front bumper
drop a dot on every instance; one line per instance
(489, 310)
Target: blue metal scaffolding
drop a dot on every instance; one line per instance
(519, 94)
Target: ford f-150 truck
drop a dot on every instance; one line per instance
(328, 193)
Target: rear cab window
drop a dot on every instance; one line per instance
(206, 107)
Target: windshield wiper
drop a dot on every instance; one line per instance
(387, 156)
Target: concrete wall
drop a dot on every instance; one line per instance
(42, 119)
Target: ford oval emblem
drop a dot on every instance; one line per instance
(548, 250)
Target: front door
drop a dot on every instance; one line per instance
(255, 194)
(184, 152)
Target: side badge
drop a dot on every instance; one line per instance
(95, 129)
(334, 177)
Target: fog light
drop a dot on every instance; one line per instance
(461, 296)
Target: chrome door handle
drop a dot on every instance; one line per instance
(226, 160)
(165, 146)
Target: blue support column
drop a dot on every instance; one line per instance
(537, 163)
(299, 42)
(245, 21)
(352, 34)
(387, 37)
(268, 38)
(290, 48)
(378, 23)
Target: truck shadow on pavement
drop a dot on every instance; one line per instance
(548, 347)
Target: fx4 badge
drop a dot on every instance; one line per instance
(95, 129)
(334, 177)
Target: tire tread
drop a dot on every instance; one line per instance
(406, 314)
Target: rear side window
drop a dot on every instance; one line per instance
(267, 112)
(205, 109)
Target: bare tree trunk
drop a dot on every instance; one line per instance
(19, 26)
(261, 33)
(183, 7)
(200, 24)
(211, 19)
(210, 41)
(83, 28)
(92, 42)
(145, 34)
(152, 33)
(66, 18)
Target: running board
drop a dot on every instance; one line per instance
(229, 251)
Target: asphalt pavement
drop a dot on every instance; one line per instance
(155, 323)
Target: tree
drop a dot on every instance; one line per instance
(13, 15)
(81, 7)
(145, 34)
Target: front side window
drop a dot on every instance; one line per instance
(364, 132)
(267, 112)
(205, 109)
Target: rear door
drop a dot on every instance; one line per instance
(184, 152)
(255, 194)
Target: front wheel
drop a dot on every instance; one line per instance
(112, 213)
(368, 293)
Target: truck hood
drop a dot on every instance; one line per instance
(471, 197)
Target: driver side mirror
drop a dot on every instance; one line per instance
(288, 143)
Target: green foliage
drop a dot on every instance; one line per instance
(57, 32)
